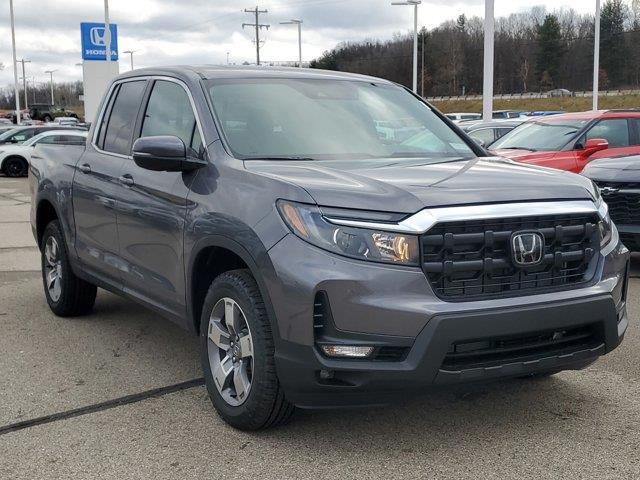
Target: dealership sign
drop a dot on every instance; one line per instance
(94, 41)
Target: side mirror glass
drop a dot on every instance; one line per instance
(163, 153)
(594, 145)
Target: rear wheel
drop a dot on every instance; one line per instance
(237, 351)
(67, 295)
(15, 167)
(47, 119)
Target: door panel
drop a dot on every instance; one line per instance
(152, 214)
(94, 206)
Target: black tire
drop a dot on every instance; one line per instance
(265, 406)
(15, 167)
(47, 119)
(76, 296)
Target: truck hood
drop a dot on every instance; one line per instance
(409, 185)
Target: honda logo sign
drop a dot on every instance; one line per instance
(527, 248)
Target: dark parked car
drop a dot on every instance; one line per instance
(619, 181)
(486, 133)
(322, 263)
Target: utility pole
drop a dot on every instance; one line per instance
(596, 59)
(227, 58)
(299, 24)
(24, 83)
(258, 26)
(15, 63)
(50, 72)
(489, 33)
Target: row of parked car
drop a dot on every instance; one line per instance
(18, 143)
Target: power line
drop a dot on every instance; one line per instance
(258, 26)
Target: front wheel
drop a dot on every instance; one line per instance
(67, 295)
(237, 354)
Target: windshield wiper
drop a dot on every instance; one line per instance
(280, 158)
(521, 148)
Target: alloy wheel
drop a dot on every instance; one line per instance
(53, 268)
(230, 349)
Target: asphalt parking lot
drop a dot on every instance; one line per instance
(109, 399)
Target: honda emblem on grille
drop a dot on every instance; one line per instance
(527, 248)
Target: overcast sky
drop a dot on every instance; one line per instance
(164, 32)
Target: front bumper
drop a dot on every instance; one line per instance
(374, 304)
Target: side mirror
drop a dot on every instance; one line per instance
(163, 153)
(593, 145)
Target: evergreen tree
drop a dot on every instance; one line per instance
(613, 50)
(551, 49)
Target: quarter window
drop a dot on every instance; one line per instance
(117, 138)
(169, 112)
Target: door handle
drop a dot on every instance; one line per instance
(126, 179)
(85, 168)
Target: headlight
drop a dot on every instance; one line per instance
(605, 225)
(307, 222)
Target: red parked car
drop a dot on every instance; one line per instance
(570, 141)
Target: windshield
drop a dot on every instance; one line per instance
(329, 119)
(540, 136)
(8, 133)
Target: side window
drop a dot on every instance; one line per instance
(501, 132)
(614, 130)
(21, 136)
(49, 140)
(485, 135)
(117, 138)
(169, 112)
(635, 129)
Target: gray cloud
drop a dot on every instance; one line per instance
(202, 31)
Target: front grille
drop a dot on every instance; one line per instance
(471, 260)
(490, 352)
(623, 201)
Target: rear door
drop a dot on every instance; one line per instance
(97, 187)
(151, 215)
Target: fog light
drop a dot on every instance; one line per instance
(347, 351)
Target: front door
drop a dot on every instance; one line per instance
(96, 187)
(151, 217)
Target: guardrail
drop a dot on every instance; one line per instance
(520, 96)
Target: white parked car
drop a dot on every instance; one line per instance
(15, 158)
(463, 117)
(64, 121)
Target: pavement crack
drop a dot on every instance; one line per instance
(98, 407)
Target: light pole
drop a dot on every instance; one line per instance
(489, 32)
(50, 72)
(107, 31)
(596, 59)
(24, 83)
(415, 4)
(131, 52)
(227, 58)
(293, 21)
(15, 62)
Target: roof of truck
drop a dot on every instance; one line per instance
(251, 71)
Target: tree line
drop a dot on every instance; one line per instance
(535, 51)
(66, 94)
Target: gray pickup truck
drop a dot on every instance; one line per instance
(324, 262)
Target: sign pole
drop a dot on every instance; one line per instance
(596, 59)
(107, 31)
(489, 32)
(15, 64)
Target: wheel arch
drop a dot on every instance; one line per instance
(228, 254)
(45, 213)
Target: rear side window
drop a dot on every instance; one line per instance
(119, 128)
(614, 130)
(169, 112)
(485, 135)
